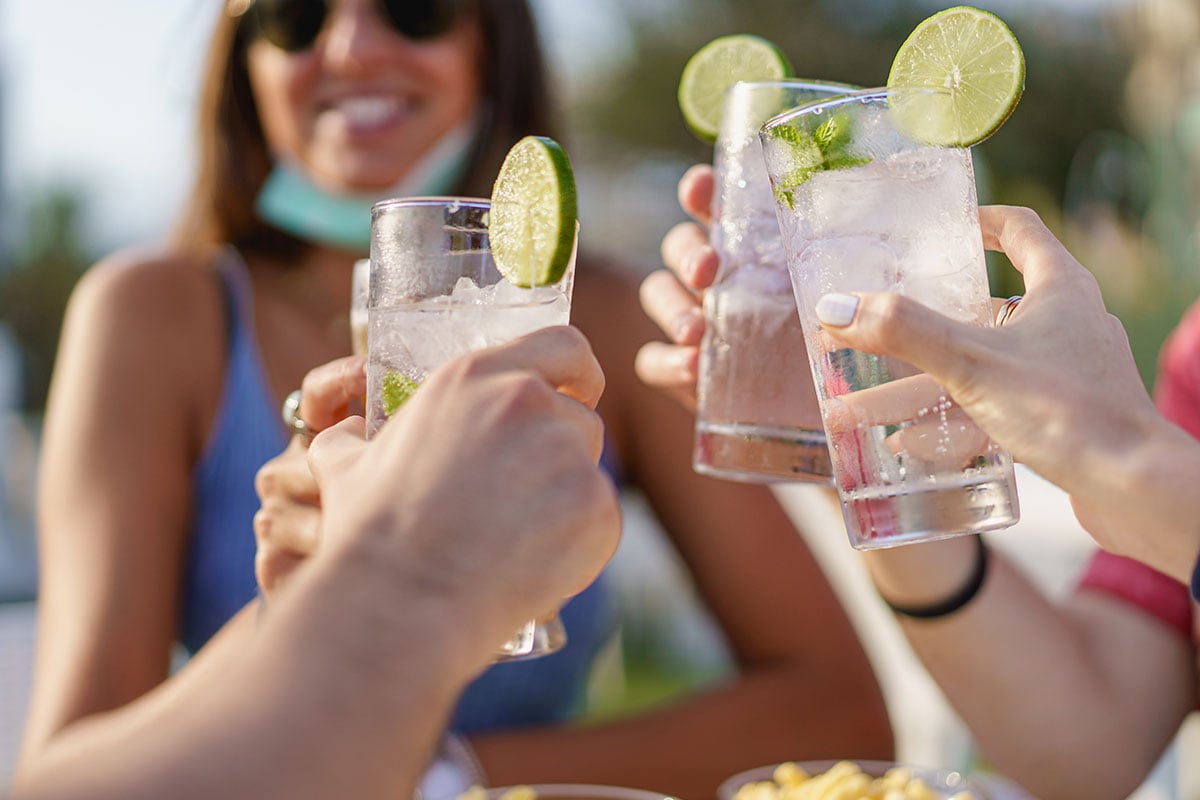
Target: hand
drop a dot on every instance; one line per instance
(672, 297)
(485, 487)
(286, 526)
(1056, 385)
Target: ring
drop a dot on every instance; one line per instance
(1006, 310)
(291, 417)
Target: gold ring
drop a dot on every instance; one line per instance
(291, 417)
(1006, 310)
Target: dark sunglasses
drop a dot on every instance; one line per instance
(293, 25)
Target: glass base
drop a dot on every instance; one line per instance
(536, 638)
(926, 516)
(757, 454)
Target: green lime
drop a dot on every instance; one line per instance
(975, 58)
(397, 388)
(718, 65)
(534, 218)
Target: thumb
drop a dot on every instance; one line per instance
(893, 325)
(336, 449)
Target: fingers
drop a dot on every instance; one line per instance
(560, 355)
(328, 390)
(888, 404)
(891, 324)
(672, 308)
(1020, 234)
(695, 192)
(336, 448)
(685, 250)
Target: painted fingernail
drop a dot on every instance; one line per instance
(837, 310)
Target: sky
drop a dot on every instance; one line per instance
(98, 96)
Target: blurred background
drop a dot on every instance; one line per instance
(96, 113)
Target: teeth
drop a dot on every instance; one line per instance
(368, 110)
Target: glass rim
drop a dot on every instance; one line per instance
(585, 791)
(429, 201)
(860, 96)
(798, 83)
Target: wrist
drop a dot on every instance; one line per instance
(953, 601)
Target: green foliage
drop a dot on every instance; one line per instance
(35, 285)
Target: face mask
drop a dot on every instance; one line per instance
(292, 202)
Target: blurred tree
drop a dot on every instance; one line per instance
(36, 284)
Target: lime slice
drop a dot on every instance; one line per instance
(533, 220)
(397, 388)
(717, 66)
(971, 55)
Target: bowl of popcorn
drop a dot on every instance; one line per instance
(561, 791)
(849, 780)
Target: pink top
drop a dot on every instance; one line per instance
(1177, 394)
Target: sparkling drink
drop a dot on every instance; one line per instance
(360, 288)
(757, 417)
(871, 210)
(435, 294)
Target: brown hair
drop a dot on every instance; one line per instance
(234, 160)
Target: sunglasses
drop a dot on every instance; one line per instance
(293, 25)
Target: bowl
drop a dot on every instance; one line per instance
(944, 783)
(572, 791)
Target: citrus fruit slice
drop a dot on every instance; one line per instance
(976, 62)
(533, 220)
(397, 388)
(718, 65)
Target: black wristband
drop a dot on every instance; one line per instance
(960, 598)
(1196, 581)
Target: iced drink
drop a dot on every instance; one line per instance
(864, 208)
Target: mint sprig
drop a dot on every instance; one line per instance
(828, 147)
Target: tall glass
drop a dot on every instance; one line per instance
(886, 213)
(756, 411)
(360, 288)
(436, 294)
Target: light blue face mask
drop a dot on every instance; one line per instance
(292, 202)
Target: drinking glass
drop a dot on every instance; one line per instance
(756, 412)
(885, 212)
(435, 294)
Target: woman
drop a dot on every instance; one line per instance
(1071, 700)
(310, 109)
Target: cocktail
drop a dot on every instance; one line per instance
(757, 417)
(866, 204)
(436, 293)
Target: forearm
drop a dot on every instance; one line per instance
(1049, 695)
(688, 747)
(1143, 502)
(326, 701)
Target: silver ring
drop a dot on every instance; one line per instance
(1006, 310)
(291, 417)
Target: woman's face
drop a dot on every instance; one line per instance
(361, 106)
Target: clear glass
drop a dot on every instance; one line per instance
(756, 412)
(893, 215)
(360, 287)
(436, 294)
(944, 783)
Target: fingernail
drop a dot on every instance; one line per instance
(837, 310)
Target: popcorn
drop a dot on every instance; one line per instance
(845, 780)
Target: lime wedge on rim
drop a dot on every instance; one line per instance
(975, 59)
(718, 65)
(533, 221)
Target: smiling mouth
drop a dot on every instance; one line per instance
(363, 114)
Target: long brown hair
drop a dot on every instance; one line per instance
(234, 160)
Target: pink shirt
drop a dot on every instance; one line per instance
(1177, 394)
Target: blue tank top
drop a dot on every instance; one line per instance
(219, 578)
